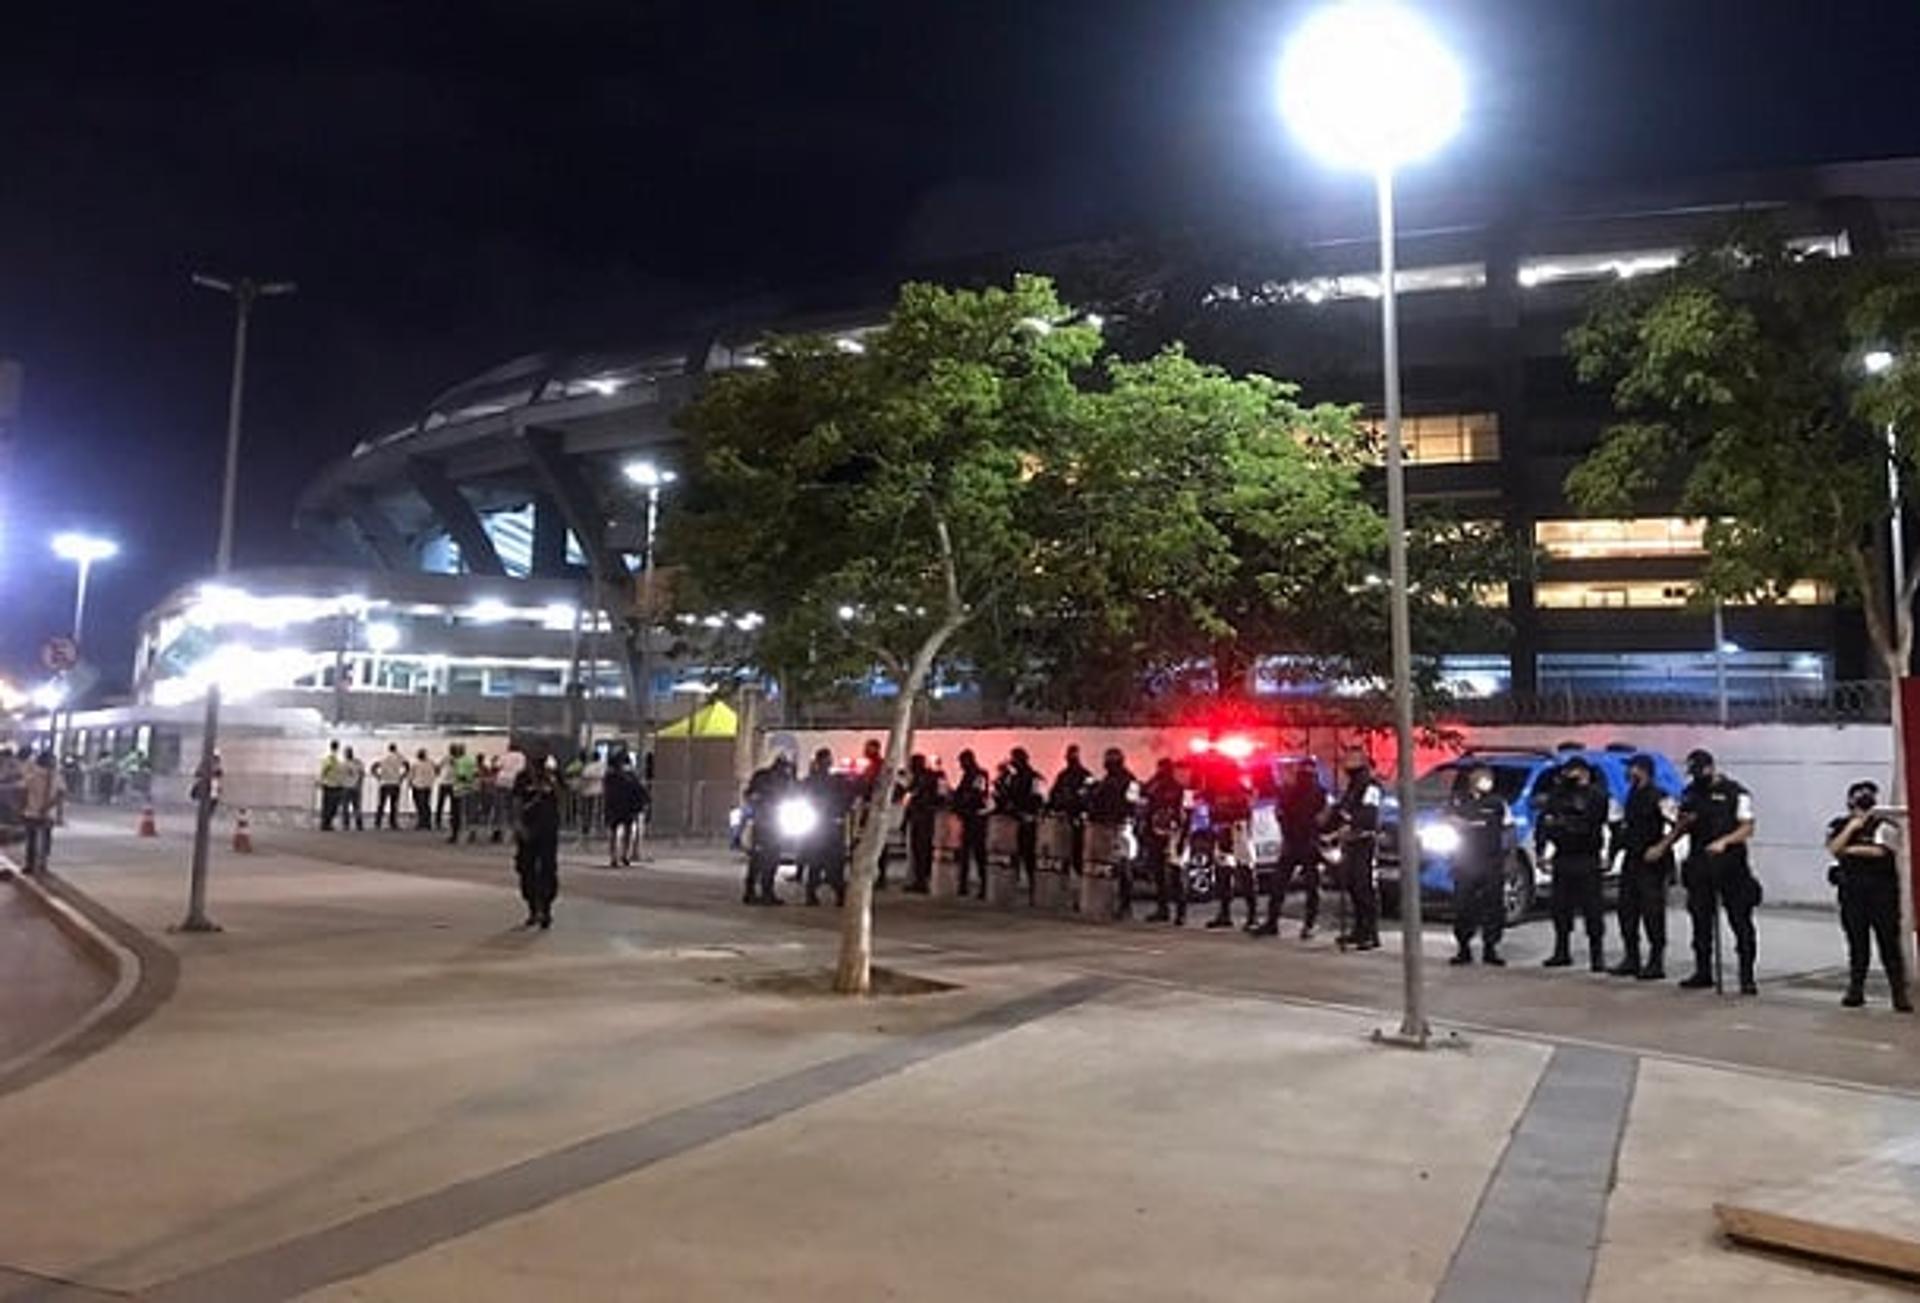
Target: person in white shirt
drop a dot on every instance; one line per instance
(389, 771)
(356, 781)
(420, 776)
(43, 801)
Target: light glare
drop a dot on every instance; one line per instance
(1367, 85)
(83, 548)
(1878, 362)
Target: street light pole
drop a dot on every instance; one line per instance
(1413, 1021)
(1410, 100)
(243, 292)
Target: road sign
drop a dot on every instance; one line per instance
(59, 654)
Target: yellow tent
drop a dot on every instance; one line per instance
(714, 719)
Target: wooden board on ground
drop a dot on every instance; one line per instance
(1866, 1214)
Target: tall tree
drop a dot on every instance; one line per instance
(966, 483)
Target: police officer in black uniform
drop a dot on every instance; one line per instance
(1163, 819)
(1574, 824)
(1865, 847)
(923, 799)
(1017, 793)
(765, 790)
(1225, 802)
(971, 791)
(1302, 803)
(1068, 799)
(1482, 819)
(825, 857)
(1716, 816)
(1646, 870)
(1355, 818)
(1110, 803)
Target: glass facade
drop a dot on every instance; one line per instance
(1448, 439)
(1749, 675)
(1614, 594)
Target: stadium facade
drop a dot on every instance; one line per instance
(520, 474)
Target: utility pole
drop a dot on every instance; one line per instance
(243, 292)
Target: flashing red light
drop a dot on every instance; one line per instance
(1236, 747)
(1200, 746)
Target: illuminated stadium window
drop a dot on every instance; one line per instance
(1644, 594)
(1449, 439)
(1650, 536)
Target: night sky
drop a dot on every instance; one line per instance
(453, 184)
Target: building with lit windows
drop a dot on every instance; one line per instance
(522, 473)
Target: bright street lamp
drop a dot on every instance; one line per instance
(83, 550)
(1878, 362)
(1367, 85)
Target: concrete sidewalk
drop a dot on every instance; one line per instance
(46, 983)
(371, 1086)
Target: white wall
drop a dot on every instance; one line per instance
(1798, 774)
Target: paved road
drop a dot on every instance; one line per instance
(46, 985)
(1794, 1027)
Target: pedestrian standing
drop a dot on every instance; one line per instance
(923, 801)
(389, 774)
(591, 787)
(622, 794)
(355, 781)
(1866, 851)
(1355, 818)
(462, 784)
(1646, 871)
(535, 798)
(420, 776)
(333, 777)
(1068, 799)
(1481, 817)
(1716, 817)
(42, 805)
(1571, 834)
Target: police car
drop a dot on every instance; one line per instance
(1521, 777)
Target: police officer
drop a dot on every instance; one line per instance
(1573, 826)
(1068, 799)
(535, 796)
(971, 791)
(765, 790)
(1110, 805)
(1482, 819)
(1017, 792)
(824, 857)
(1865, 847)
(1716, 816)
(1355, 818)
(923, 801)
(1224, 797)
(1645, 872)
(1163, 818)
(1303, 802)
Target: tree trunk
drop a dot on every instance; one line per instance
(854, 974)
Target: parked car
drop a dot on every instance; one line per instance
(1520, 777)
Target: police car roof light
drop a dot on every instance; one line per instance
(1571, 745)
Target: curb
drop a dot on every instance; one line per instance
(144, 977)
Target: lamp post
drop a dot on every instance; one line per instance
(243, 292)
(1367, 85)
(653, 479)
(1878, 363)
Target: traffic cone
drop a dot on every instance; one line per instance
(146, 822)
(243, 835)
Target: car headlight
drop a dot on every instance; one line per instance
(1440, 838)
(796, 817)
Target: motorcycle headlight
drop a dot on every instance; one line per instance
(1440, 839)
(796, 817)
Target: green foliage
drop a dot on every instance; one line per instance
(1739, 377)
(1107, 519)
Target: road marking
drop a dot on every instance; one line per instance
(1536, 1232)
(412, 1226)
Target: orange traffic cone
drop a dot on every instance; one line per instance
(146, 823)
(243, 835)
